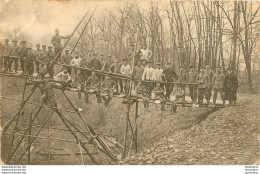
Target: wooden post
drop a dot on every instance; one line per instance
(136, 117)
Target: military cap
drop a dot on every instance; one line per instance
(43, 45)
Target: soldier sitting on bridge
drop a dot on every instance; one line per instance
(159, 95)
(108, 90)
(143, 93)
(178, 99)
(80, 84)
(94, 87)
(64, 78)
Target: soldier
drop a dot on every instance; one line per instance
(159, 95)
(107, 89)
(23, 53)
(168, 76)
(138, 71)
(106, 65)
(43, 60)
(93, 83)
(210, 73)
(66, 58)
(126, 71)
(75, 61)
(143, 93)
(178, 99)
(182, 79)
(145, 53)
(157, 74)
(95, 63)
(37, 54)
(191, 78)
(14, 55)
(56, 41)
(80, 84)
(230, 87)
(218, 82)
(49, 96)
(148, 76)
(28, 62)
(203, 85)
(50, 58)
(64, 78)
(115, 68)
(6, 53)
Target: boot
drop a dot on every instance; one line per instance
(163, 107)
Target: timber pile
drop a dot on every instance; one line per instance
(228, 136)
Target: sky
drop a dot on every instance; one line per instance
(39, 18)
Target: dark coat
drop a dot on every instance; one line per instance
(230, 87)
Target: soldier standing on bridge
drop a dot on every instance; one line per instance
(6, 53)
(191, 80)
(210, 73)
(43, 59)
(50, 58)
(203, 85)
(230, 87)
(56, 42)
(218, 82)
(14, 55)
(28, 62)
(23, 53)
(37, 54)
(167, 76)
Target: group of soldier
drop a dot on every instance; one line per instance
(146, 76)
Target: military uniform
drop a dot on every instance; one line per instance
(14, 55)
(143, 93)
(23, 53)
(93, 82)
(107, 88)
(28, 62)
(218, 82)
(203, 84)
(159, 94)
(210, 73)
(178, 99)
(167, 76)
(50, 57)
(115, 68)
(191, 78)
(37, 54)
(6, 53)
(230, 88)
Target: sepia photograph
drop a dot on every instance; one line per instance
(130, 82)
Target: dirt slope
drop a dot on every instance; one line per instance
(228, 136)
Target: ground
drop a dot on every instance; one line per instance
(227, 136)
(191, 136)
